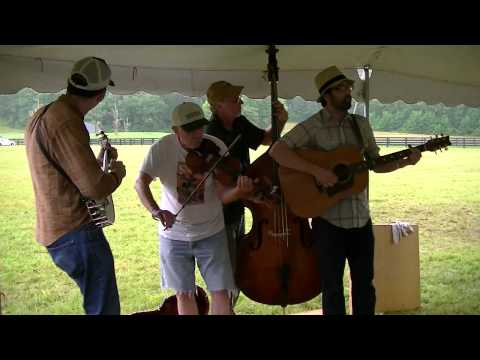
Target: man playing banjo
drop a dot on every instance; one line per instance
(64, 172)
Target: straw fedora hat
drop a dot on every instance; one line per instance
(329, 78)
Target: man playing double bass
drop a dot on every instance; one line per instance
(227, 123)
(345, 230)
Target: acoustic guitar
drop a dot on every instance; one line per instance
(308, 199)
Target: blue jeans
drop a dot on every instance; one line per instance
(85, 255)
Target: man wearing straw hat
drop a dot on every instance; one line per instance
(344, 231)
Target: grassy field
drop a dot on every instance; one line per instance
(440, 195)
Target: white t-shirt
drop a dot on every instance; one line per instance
(203, 215)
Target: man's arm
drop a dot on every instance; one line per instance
(412, 159)
(282, 116)
(229, 194)
(142, 187)
(286, 157)
(74, 154)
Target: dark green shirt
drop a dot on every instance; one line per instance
(252, 137)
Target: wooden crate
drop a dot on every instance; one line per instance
(397, 270)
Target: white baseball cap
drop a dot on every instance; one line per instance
(90, 73)
(189, 116)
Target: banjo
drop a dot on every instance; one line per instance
(102, 212)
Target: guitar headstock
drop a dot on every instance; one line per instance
(437, 143)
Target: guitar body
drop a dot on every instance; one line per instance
(305, 198)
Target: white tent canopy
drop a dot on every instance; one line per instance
(448, 74)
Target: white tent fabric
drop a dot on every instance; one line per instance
(448, 74)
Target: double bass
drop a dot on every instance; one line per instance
(276, 262)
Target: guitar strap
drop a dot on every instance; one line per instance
(358, 134)
(38, 138)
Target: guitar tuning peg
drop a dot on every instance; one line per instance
(436, 136)
(435, 152)
(441, 134)
(446, 149)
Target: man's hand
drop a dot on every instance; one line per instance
(118, 168)
(244, 186)
(325, 177)
(280, 112)
(165, 217)
(414, 157)
(112, 153)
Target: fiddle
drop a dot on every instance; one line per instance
(226, 169)
(206, 156)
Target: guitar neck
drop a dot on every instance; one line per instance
(386, 159)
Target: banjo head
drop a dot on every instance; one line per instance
(102, 212)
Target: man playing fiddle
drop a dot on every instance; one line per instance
(197, 232)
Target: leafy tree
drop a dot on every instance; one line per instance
(145, 112)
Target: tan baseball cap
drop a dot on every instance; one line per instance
(189, 116)
(221, 90)
(91, 73)
(329, 78)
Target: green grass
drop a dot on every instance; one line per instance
(440, 195)
(10, 133)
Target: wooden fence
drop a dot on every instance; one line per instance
(381, 140)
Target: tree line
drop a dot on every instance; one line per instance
(146, 112)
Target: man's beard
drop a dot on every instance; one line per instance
(345, 104)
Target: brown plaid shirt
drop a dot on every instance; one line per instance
(59, 209)
(320, 131)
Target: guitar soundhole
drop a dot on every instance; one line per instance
(345, 180)
(343, 173)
